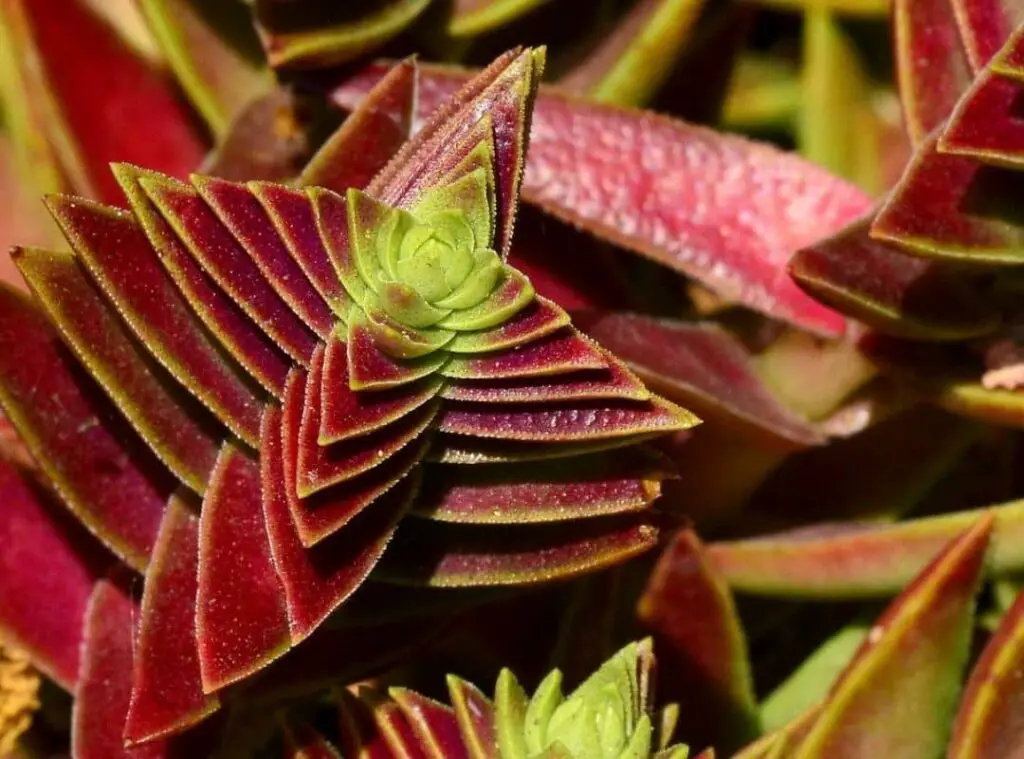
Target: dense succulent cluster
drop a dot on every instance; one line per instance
(326, 390)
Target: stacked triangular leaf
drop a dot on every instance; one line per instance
(247, 390)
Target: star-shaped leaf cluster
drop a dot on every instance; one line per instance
(249, 391)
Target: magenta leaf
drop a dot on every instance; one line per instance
(985, 25)
(932, 67)
(167, 688)
(241, 622)
(106, 476)
(889, 290)
(46, 556)
(114, 249)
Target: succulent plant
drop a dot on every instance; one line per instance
(255, 372)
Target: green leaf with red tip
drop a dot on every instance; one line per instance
(561, 352)
(102, 102)
(566, 178)
(475, 714)
(539, 319)
(932, 68)
(101, 470)
(182, 437)
(242, 339)
(117, 254)
(318, 580)
(240, 211)
(986, 726)
(435, 725)
(220, 255)
(318, 466)
(359, 735)
(369, 138)
(701, 646)
(579, 421)
(310, 35)
(214, 56)
(984, 26)
(291, 211)
(167, 690)
(859, 560)
(891, 291)
(346, 414)
(457, 556)
(703, 367)
(46, 555)
(915, 656)
(583, 487)
(241, 620)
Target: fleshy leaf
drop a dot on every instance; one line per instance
(859, 560)
(932, 68)
(369, 138)
(566, 177)
(889, 290)
(611, 382)
(103, 473)
(120, 260)
(703, 367)
(176, 433)
(435, 725)
(249, 345)
(240, 211)
(311, 35)
(303, 742)
(558, 353)
(319, 466)
(167, 689)
(984, 26)
(470, 18)
(476, 718)
(318, 580)
(345, 413)
(220, 255)
(104, 688)
(539, 319)
(567, 422)
(241, 622)
(587, 486)
(700, 645)
(46, 555)
(466, 556)
(292, 214)
(924, 638)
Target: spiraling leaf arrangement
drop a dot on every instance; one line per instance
(247, 390)
(611, 715)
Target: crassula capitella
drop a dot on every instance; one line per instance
(249, 391)
(611, 715)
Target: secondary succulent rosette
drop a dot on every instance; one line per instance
(611, 715)
(268, 383)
